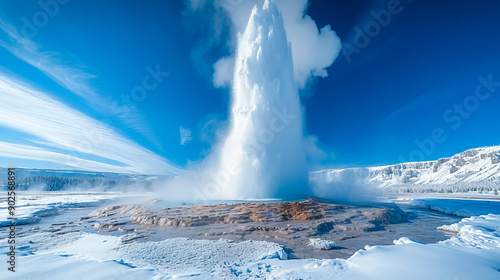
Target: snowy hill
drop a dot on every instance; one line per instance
(472, 170)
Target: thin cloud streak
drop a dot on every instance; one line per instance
(19, 151)
(33, 112)
(72, 78)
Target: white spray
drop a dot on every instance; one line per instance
(263, 155)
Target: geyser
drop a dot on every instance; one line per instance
(263, 155)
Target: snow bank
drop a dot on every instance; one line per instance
(481, 232)
(405, 240)
(473, 254)
(320, 244)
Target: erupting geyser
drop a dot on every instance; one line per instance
(263, 155)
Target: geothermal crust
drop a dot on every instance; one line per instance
(291, 224)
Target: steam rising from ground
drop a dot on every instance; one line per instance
(348, 185)
(264, 154)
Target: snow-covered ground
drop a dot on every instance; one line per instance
(30, 207)
(474, 253)
(476, 170)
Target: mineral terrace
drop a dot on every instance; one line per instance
(291, 224)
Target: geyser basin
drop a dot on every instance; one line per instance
(263, 155)
(291, 224)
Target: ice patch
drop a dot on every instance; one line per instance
(320, 244)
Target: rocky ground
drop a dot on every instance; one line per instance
(301, 227)
(292, 224)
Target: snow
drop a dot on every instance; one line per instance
(420, 261)
(320, 244)
(32, 206)
(177, 256)
(473, 170)
(405, 240)
(474, 253)
(46, 266)
(476, 232)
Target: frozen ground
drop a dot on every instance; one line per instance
(473, 254)
(31, 207)
(291, 224)
(80, 253)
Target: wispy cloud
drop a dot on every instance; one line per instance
(20, 151)
(73, 78)
(186, 136)
(33, 112)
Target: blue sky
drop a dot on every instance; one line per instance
(127, 86)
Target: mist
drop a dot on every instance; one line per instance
(266, 149)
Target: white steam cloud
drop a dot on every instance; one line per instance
(313, 49)
(275, 48)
